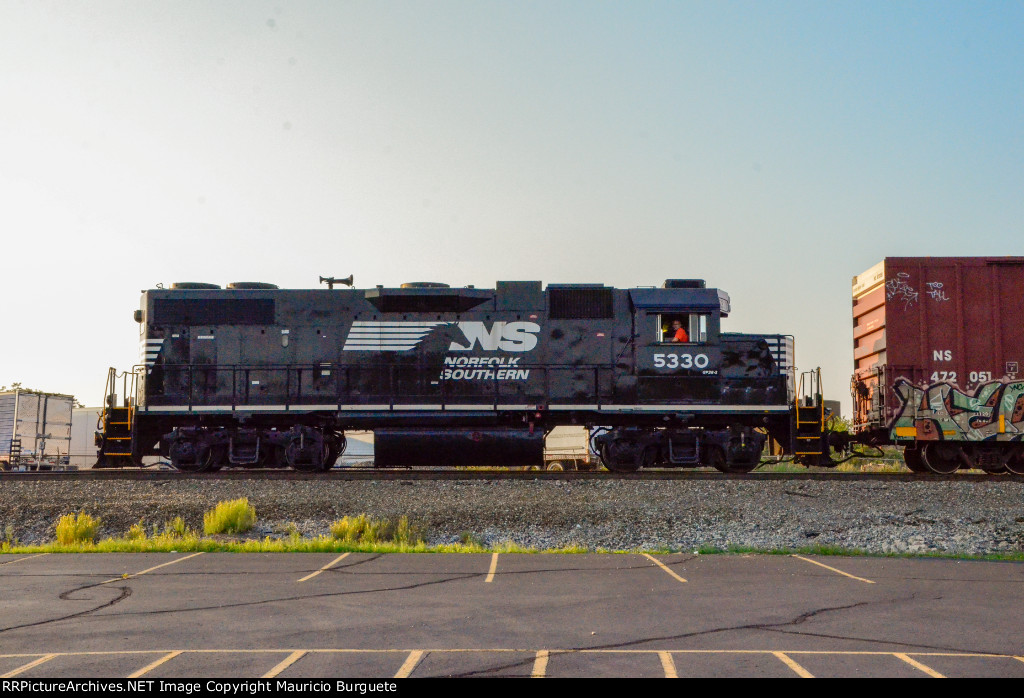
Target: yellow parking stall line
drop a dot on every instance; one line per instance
(918, 665)
(663, 566)
(668, 665)
(153, 665)
(494, 567)
(11, 562)
(800, 671)
(567, 650)
(137, 574)
(326, 567)
(540, 665)
(833, 569)
(285, 663)
(26, 667)
(409, 664)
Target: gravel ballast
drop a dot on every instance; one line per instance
(876, 517)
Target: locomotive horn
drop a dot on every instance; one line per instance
(330, 281)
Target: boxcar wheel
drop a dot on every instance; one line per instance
(942, 458)
(1015, 464)
(913, 459)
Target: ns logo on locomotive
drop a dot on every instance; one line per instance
(256, 376)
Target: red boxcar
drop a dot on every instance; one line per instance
(938, 348)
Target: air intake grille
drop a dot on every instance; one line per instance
(580, 303)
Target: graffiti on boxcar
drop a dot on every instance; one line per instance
(936, 292)
(942, 411)
(900, 290)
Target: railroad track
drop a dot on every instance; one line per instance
(486, 474)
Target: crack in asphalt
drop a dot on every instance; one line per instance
(126, 592)
(779, 627)
(343, 569)
(302, 597)
(66, 596)
(782, 628)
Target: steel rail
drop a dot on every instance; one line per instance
(490, 474)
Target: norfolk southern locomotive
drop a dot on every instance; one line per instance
(256, 376)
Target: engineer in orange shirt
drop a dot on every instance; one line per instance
(679, 334)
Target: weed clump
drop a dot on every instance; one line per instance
(364, 529)
(75, 529)
(136, 531)
(175, 528)
(10, 540)
(235, 516)
(472, 540)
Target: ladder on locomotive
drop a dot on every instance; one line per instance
(115, 437)
(810, 442)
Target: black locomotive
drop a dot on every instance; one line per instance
(256, 376)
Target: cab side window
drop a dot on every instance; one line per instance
(682, 328)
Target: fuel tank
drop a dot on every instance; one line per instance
(458, 447)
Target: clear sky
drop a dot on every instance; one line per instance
(775, 149)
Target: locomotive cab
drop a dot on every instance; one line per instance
(716, 394)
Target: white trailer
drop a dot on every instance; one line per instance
(35, 430)
(568, 448)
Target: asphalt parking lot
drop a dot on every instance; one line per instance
(416, 615)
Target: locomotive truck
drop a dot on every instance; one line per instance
(256, 376)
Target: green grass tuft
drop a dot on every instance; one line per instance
(72, 529)
(176, 528)
(472, 540)
(235, 516)
(137, 531)
(363, 529)
(10, 540)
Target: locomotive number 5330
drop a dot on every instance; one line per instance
(680, 360)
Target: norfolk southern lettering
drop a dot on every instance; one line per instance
(483, 368)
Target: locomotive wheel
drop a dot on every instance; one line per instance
(333, 453)
(335, 447)
(218, 458)
(623, 455)
(941, 458)
(307, 459)
(742, 467)
(191, 457)
(715, 457)
(717, 460)
(912, 457)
